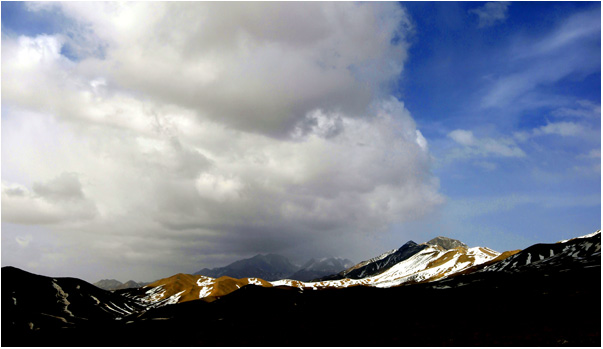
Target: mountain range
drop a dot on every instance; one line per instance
(411, 263)
(437, 293)
(112, 284)
(273, 267)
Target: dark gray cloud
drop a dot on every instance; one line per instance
(65, 187)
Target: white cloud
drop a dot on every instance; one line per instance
(585, 110)
(421, 141)
(594, 153)
(231, 130)
(23, 241)
(491, 13)
(57, 201)
(562, 128)
(259, 67)
(463, 137)
(570, 50)
(484, 147)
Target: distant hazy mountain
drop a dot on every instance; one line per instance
(108, 284)
(268, 267)
(316, 268)
(112, 284)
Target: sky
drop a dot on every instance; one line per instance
(145, 139)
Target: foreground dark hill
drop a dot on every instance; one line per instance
(33, 303)
(549, 301)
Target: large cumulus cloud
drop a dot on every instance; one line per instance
(208, 132)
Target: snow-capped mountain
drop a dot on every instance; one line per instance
(545, 295)
(378, 264)
(411, 263)
(387, 260)
(429, 263)
(433, 263)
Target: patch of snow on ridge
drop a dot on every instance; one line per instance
(62, 297)
(581, 237)
(155, 294)
(254, 281)
(96, 299)
(207, 286)
(205, 291)
(208, 281)
(120, 310)
(283, 282)
(173, 299)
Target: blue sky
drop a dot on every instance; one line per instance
(180, 142)
(538, 65)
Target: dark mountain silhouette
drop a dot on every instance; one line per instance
(35, 304)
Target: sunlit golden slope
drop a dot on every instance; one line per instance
(185, 287)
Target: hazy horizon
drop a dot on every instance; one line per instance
(145, 139)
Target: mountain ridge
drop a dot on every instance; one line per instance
(514, 299)
(113, 285)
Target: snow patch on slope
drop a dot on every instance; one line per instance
(581, 237)
(254, 281)
(62, 296)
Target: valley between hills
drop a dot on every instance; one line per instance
(437, 293)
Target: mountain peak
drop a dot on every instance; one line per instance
(446, 243)
(409, 243)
